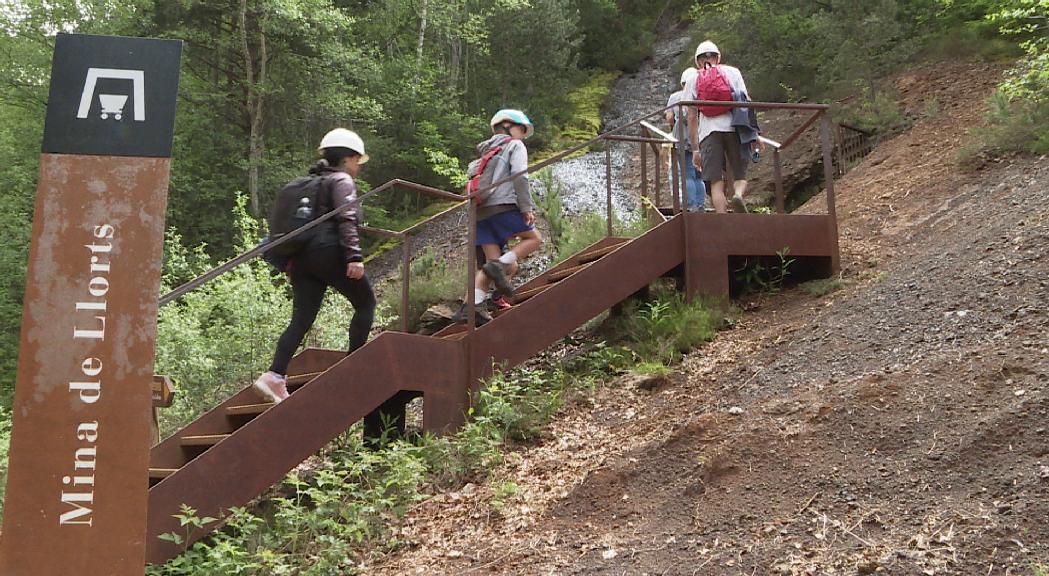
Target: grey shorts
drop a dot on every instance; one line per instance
(715, 149)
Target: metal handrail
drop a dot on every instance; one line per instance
(464, 200)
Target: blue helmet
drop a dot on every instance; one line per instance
(515, 116)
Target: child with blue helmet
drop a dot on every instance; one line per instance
(504, 213)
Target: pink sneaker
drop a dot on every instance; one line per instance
(271, 386)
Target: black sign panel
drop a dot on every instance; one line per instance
(112, 96)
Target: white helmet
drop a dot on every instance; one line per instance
(707, 46)
(515, 116)
(688, 75)
(343, 138)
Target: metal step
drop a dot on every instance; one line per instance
(161, 473)
(525, 295)
(249, 409)
(203, 440)
(596, 254)
(562, 274)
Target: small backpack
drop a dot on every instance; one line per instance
(712, 84)
(296, 205)
(481, 172)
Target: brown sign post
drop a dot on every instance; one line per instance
(77, 486)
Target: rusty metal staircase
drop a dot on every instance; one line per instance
(238, 450)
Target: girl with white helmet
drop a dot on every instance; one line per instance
(505, 212)
(332, 259)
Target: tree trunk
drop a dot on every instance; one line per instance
(253, 101)
(419, 45)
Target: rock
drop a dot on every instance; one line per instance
(436, 318)
(735, 410)
(644, 381)
(868, 567)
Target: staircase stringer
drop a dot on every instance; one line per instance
(259, 454)
(526, 330)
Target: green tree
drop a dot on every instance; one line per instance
(1027, 20)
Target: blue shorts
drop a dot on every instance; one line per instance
(501, 227)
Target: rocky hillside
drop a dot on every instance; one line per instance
(895, 426)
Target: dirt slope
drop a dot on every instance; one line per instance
(897, 426)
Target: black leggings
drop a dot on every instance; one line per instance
(312, 273)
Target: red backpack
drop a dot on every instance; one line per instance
(712, 84)
(479, 174)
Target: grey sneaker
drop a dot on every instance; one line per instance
(272, 387)
(495, 271)
(481, 315)
(737, 203)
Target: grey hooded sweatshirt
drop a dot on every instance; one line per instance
(513, 195)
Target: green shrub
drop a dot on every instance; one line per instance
(322, 521)
(664, 329)
(652, 368)
(763, 273)
(878, 113)
(580, 233)
(502, 493)
(432, 280)
(582, 117)
(550, 206)
(1013, 126)
(602, 361)
(519, 403)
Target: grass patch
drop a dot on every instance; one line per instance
(822, 287)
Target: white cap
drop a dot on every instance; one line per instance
(707, 46)
(688, 74)
(343, 138)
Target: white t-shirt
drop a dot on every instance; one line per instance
(721, 122)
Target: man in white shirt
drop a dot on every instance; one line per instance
(714, 140)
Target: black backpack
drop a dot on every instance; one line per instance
(296, 205)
